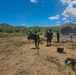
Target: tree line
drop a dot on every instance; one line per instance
(17, 29)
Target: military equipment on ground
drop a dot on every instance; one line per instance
(60, 50)
(30, 36)
(70, 61)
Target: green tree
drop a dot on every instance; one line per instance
(1, 30)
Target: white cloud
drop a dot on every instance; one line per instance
(70, 10)
(64, 18)
(58, 22)
(66, 21)
(58, 25)
(23, 24)
(33, 1)
(66, 1)
(54, 17)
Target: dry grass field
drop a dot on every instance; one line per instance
(18, 56)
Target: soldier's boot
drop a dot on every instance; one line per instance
(49, 43)
(36, 46)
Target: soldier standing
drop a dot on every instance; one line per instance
(58, 36)
(49, 37)
(71, 36)
(36, 39)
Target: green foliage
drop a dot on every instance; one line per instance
(21, 30)
(55, 29)
(9, 30)
(17, 30)
(1, 30)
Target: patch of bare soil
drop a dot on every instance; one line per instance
(18, 56)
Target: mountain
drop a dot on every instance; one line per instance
(65, 28)
(9, 28)
(68, 24)
(5, 25)
(68, 28)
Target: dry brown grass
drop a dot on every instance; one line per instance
(18, 57)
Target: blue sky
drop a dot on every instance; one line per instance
(37, 12)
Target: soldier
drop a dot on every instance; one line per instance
(36, 39)
(71, 36)
(58, 36)
(49, 37)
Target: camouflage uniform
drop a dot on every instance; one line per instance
(36, 39)
(49, 37)
(58, 36)
(71, 36)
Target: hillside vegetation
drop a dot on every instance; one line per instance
(22, 30)
(9, 30)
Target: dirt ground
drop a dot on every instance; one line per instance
(18, 56)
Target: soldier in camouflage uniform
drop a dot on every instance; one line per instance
(58, 36)
(49, 37)
(36, 39)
